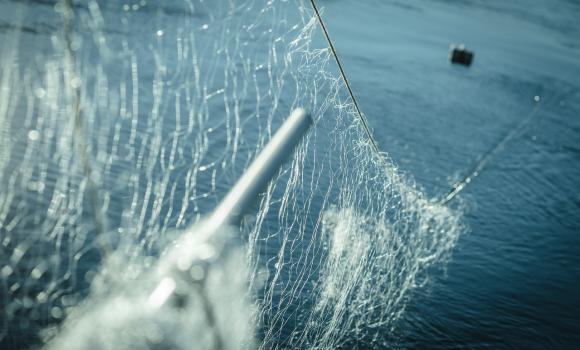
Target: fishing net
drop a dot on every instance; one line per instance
(122, 124)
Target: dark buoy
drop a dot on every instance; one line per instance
(458, 54)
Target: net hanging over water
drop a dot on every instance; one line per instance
(122, 124)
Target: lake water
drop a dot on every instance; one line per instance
(166, 150)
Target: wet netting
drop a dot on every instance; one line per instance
(124, 123)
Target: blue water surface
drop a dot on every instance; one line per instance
(514, 281)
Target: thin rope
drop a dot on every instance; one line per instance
(99, 219)
(347, 84)
(488, 156)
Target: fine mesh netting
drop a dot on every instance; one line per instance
(123, 123)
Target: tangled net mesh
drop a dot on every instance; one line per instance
(122, 124)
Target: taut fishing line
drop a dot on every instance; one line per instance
(471, 174)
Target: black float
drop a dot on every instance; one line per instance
(458, 54)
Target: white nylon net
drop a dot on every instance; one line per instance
(123, 123)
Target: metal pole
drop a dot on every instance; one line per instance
(230, 210)
(262, 170)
